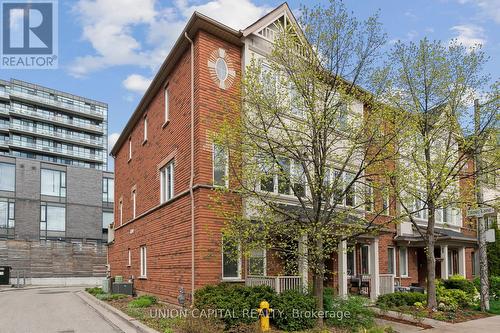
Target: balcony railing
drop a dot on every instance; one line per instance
(4, 94)
(278, 283)
(4, 142)
(54, 134)
(57, 104)
(56, 119)
(4, 126)
(4, 110)
(57, 150)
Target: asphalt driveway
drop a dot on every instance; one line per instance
(49, 310)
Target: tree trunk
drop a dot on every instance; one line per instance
(319, 276)
(431, 259)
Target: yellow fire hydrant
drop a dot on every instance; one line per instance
(264, 312)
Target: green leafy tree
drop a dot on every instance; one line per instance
(309, 151)
(433, 85)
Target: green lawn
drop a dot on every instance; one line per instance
(495, 307)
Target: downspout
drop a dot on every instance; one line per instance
(191, 178)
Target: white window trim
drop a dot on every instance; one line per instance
(393, 260)
(134, 203)
(163, 181)
(120, 208)
(166, 106)
(226, 176)
(238, 278)
(129, 262)
(367, 261)
(354, 258)
(265, 263)
(129, 149)
(145, 129)
(387, 202)
(144, 262)
(406, 262)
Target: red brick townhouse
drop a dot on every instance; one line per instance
(166, 236)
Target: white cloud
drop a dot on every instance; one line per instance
(136, 83)
(469, 35)
(112, 138)
(488, 8)
(111, 28)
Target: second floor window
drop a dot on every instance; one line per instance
(145, 129)
(107, 219)
(52, 220)
(7, 177)
(286, 177)
(130, 148)
(134, 202)
(220, 165)
(53, 183)
(167, 182)
(108, 190)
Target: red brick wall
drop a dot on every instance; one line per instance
(166, 231)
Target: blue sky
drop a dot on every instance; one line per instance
(109, 49)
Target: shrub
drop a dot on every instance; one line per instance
(398, 299)
(143, 301)
(110, 297)
(494, 286)
(94, 291)
(351, 313)
(459, 282)
(236, 298)
(455, 298)
(288, 303)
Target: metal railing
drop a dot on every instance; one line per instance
(59, 150)
(55, 134)
(278, 283)
(54, 103)
(57, 119)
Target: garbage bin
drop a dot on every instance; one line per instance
(5, 275)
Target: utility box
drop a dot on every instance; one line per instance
(123, 288)
(5, 275)
(106, 285)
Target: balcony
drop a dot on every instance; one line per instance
(57, 150)
(4, 95)
(55, 135)
(4, 142)
(278, 283)
(4, 110)
(56, 119)
(4, 126)
(56, 104)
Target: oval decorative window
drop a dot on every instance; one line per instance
(220, 68)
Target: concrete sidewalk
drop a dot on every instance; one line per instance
(483, 325)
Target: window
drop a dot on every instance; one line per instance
(386, 204)
(267, 176)
(134, 201)
(7, 177)
(350, 193)
(53, 183)
(231, 261)
(167, 182)
(257, 263)
(369, 197)
(365, 260)
(298, 178)
(452, 262)
(129, 262)
(107, 219)
(351, 262)
(167, 102)
(52, 220)
(108, 190)
(283, 176)
(403, 262)
(145, 128)
(120, 209)
(7, 216)
(130, 148)
(220, 165)
(391, 261)
(144, 264)
(287, 177)
(473, 262)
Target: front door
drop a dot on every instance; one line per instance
(422, 267)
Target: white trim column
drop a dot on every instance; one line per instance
(374, 270)
(303, 265)
(444, 262)
(342, 268)
(461, 262)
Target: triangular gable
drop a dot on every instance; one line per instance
(264, 27)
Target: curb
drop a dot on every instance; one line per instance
(398, 315)
(98, 305)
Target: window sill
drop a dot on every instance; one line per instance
(144, 142)
(142, 278)
(128, 266)
(130, 159)
(165, 124)
(233, 280)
